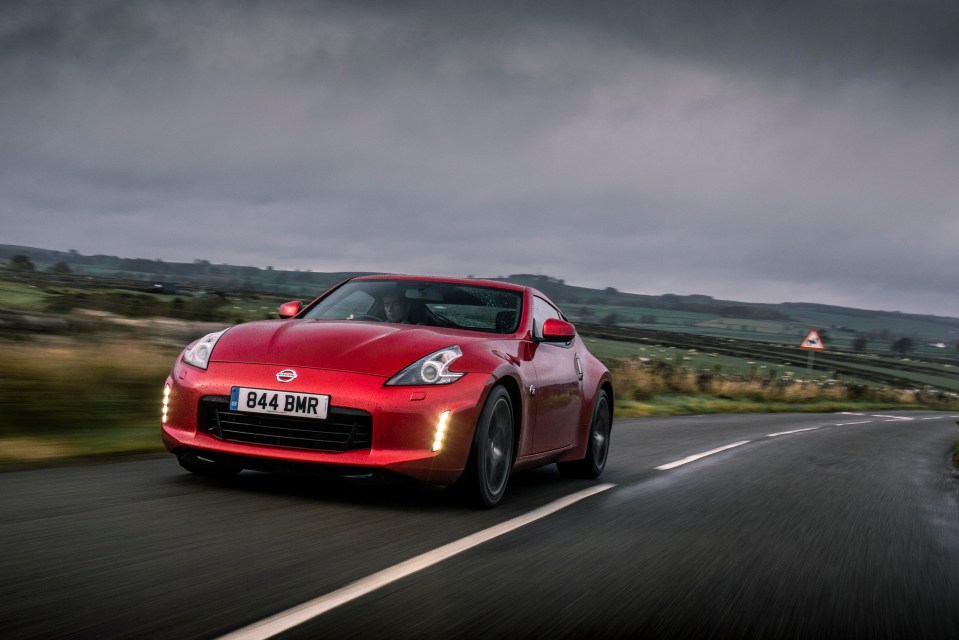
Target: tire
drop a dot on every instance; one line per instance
(491, 456)
(597, 450)
(208, 468)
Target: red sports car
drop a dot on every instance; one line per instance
(441, 380)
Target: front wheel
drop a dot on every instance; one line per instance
(597, 450)
(491, 457)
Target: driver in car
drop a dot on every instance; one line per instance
(396, 307)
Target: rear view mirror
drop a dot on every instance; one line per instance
(425, 293)
(290, 309)
(556, 330)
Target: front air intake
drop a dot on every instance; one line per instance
(342, 430)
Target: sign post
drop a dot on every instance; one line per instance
(812, 343)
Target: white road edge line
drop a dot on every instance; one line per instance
(786, 433)
(308, 610)
(694, 458)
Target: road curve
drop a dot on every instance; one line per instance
(785, 526)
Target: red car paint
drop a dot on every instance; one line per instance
(553, 383)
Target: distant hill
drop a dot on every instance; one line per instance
(199, 273)
(559, 291)
(699, 314)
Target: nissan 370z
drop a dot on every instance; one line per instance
(447, 381)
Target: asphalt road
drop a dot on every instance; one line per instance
(848, 528)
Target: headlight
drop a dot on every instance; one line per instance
(433, 369)
(199, 354)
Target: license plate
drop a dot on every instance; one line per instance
(300, 405)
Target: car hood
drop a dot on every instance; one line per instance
(380, 349)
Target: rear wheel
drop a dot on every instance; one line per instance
(491, 457)
(597, 450)
(203, 467)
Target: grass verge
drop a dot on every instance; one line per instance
(64, 397)
(684, 404)
(68, 397)
(656, 387)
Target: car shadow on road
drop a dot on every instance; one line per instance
(529, 488)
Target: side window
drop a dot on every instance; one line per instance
(543, 311)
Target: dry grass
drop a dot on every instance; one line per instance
(58, 359)
(32, 450)
(647, 387)
(63, 385)
(64, 396)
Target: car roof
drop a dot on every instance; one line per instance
(466, 281)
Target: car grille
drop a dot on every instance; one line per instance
(342, 430)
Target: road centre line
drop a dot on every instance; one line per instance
(308, 610)
(695, 457)
(786, 433)
(290, 618)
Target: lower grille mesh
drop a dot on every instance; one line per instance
(343, 429)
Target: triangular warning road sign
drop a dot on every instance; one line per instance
(812, 341)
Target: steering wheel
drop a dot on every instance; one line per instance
(367, 316)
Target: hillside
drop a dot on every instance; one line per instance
(704, 315)
(693, 314)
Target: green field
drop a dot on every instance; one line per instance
(664, 361)
(26, 297)
(611, 350)
(879, 332)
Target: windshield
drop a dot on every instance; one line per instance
(435, 304)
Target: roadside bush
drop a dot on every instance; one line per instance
(643, 380)
(141, 305)
(61, 385)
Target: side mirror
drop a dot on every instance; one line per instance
(290, 309)
(556, 330)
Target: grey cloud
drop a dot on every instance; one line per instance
(739, 149)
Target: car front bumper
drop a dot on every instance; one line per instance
(404, 420)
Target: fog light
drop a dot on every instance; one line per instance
(441, 430)
(166, 402)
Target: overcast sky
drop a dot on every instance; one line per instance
(750, 150)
